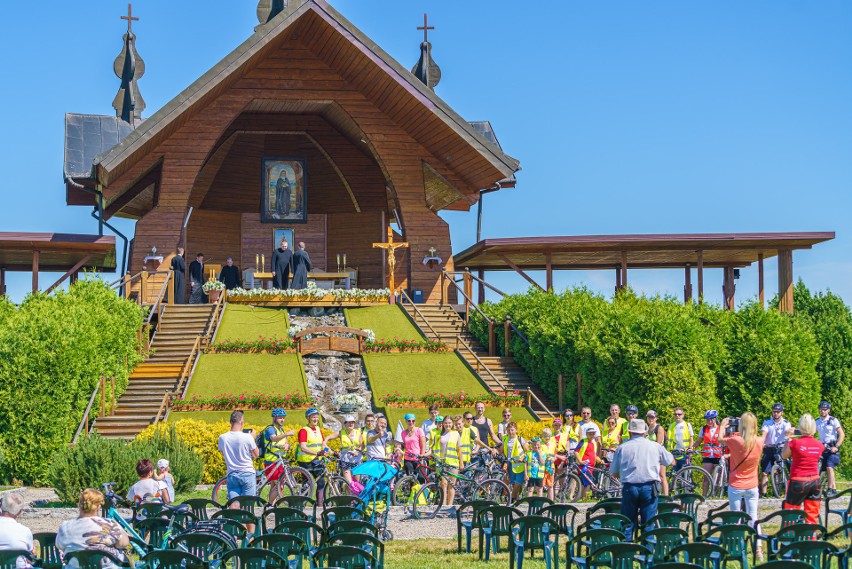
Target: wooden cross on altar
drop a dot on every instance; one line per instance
(391, 248)
(425, 27)
(129, 17)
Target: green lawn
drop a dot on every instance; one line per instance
(216, 374)
(430, 553)
(493, 413)
(386, 322)
(419, 373)
(241, 322)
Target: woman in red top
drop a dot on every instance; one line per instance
(804, 487)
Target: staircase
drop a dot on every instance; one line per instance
(180, 325)
(443, 322)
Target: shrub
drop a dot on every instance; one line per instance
(187, 467)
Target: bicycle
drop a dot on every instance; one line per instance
(689, 478)
(719, 478)
(430, 498)
(336, 485)
(137, 542)
(403, 485)
(568, 485)
(294, 481)
(779, 475)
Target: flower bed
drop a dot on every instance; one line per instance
(250, 402)
(460, 399)
(260, 346)
(312, 293)
(397, 345)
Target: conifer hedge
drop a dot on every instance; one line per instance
(53, 349)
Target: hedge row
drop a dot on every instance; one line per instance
(53, 349)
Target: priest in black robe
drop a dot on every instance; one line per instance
(281, 260)
(196, 280)
(230, 275)
(301, 266)
(178, 268)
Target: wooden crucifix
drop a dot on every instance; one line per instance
(391, 248)
(130, 18)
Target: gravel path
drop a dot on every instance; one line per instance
(400, 522)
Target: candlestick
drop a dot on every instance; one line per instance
(263, 263)
(344, 261)
(256, 261)
(338, 262)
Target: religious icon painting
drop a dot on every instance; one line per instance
(285, 234)
(284, 192)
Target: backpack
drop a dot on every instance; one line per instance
(260, 441)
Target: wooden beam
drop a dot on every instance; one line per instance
(728, 287)
(687, 284)
(480, 293)
(617, 278)
(549, 271)
(785, 281)
(2, 281)
(69, 273)
(700, 277)
(520, 271)
(624, 269)
(35, 271)
(760, 291)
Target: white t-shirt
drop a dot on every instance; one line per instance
(427, 427)
(776, 433)
(236, 448)
(143, 490)
(682, 432)
(14, 535)
(583, 427)
(827, 430)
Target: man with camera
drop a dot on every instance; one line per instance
(775, 430)
(831, 435)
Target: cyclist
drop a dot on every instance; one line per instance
(657, 434)
(611, 437)
(276, 443)
(352, 445)
(484, 426)
(632, 412)
(548, 447)
(413, 444)
(534, 468)
(446, 447)
(380, 443)
(569, 433)
(587, 455)
(679, 437)
(831, 435)
(775, 430)
(311, 448)
(614, 413)
(514, 449)
(503, 425)
(432, 422)
(468, 434)
(584, 423)
(711, 449)
(804, 486)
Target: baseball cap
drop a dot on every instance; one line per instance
(162, 463)
(825, 405)
(777, 407)
(591, 428)
(651, 413)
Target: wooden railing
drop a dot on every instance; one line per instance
(157, 305)
(405, 298)
(213, 323)
(100, 387)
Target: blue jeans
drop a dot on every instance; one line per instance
(637, 500)
(242, 483)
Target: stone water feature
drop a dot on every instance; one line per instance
(331, 373)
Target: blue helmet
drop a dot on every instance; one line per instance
(711, 414)
(279, 412)
(311, 411)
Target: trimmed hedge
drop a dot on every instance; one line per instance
(53, 349)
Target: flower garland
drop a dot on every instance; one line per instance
(454, 400)
(397, 345)
(253, 401)
(311, 293)
(261, 345)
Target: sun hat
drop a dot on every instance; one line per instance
(637, 426)
(349, 419)
(163, 463)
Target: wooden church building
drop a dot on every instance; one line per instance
(308, 129)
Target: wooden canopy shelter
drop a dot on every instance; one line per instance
(379, 147)
(56, 253)
(727, 251)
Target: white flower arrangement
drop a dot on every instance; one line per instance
(295, 329)
(311, 293)
(352, 399)
(371, 336)
(213, 285)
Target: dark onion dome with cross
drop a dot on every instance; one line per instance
(129, 67)
(426, 69)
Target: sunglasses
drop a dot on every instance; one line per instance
(468, 418)
(411, 420)
(568, 415)
(678, 414)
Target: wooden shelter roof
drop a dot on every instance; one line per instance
(57, 252)
(477, 157)
(653, 251)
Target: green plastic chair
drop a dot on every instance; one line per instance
(585, 544)
(309, 532)
(619, 556)
(153, 530)
(676, 565)
(353, 526)
(844, 513)
(338, 513)
(207, 547)
(147, 510)
(784, 564)
(690, 502)
(284, 544)
(735, 539)
(280, 515)
(46, 551)
(842, 532)
(705, 555)
(200, 506)
(795, 533)
(662, 540)
(528, 534)
(534, 504)
(347, 501)
(253, 558)
(680, 520)
(607, 521)
(343, 557)
(466, 519)
(564, 515)
(364, 541)
(173, 559)
(247, 503)
(241, 518)
(816, 553)
(495, 522)
(304, 503)
(723, 518)
(668, 507)
(607, 506)
(94, 558)
(9, 558)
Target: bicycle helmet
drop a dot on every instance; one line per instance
(311, 411)
(777, 407)
(632, 409)
(711, 414)
(279, 412)
(825, 405)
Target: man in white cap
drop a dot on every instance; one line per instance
(637, 463)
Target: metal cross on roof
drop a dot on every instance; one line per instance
(130, 18)
(425, 27)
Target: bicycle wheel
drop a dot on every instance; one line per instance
(494, 490)
(567, 488)
(296, 481)
(719, 481)
(220, 491)
(337, 486)
(778, 476)
(691, 479)
(610, 486)
(401, 494)
(428, 501)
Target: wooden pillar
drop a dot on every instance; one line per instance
(481, 292)
(728, 287)
(2, 281)
(617, 277)
(549, 267)
(171, 287)
(35, 271)
(74, 276)
(687, 284)
(507, 336)
(492, 339)
(760, 292)
(785, 281)
(468, 291)
(624, 269)
(701, 277)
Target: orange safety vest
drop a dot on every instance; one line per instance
(710, 445)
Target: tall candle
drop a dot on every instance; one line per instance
(344, 260)
(256, 261)
(263, 261)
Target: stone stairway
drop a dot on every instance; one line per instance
(171, 346)
(444, 322)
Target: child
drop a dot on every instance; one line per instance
(514, 449)
(534, 468)
(587, 456)
(166, 480)
(548, 447)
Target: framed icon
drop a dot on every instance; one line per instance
(284, 192)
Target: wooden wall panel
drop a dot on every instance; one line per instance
(257, 239)
(354, 234)
(216, 234)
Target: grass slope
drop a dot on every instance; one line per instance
(216, 374)
(419, 373)
(386, 322)
(241, 322)
(493, 413)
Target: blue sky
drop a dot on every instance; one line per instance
(628, 117)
